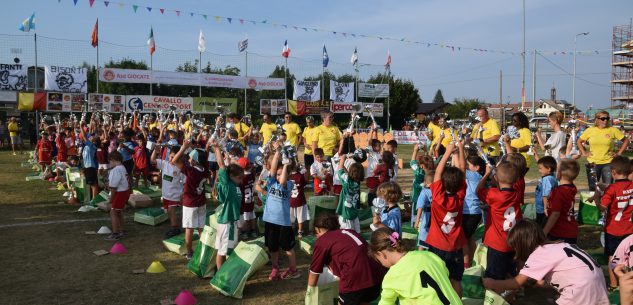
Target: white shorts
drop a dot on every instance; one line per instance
(353, 224)
(104, 166)
(193, 217)
(300, 214)
(226, 237)
(246, 216)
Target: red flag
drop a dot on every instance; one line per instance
(285, 52)
(95, 35)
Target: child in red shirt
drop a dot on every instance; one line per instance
(141, 161)
(616, 202)
(446, 237)
(44, 149)
(504, 210)
(322, 174)
(561, 222)
(299, 211)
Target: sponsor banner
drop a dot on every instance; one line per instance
(273, 106)
(341, 92)
(377, 109)
(308, 108)
(342, 107)
(209, 104)
(147, 103)
(308, 91)
(106, 102)
(13, 77)
(9, 97)
(409, 137)
(64, 102)
(66, 79)
(373, 90)
(133, 76)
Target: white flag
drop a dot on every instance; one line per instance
(201, 44)
(354, 58)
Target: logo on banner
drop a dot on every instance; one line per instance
(108, 75)
(135, 104)
(341, 92)
(12, 77)
(252, 83)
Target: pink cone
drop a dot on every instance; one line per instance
(185, 298)
(117, 248)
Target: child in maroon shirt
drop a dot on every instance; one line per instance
(561, 223)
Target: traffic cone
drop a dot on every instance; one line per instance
(185, 298)
(104, 230)
(156, 267)
(117, 248)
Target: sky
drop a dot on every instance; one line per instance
(64, 28)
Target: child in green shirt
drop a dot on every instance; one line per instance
(349, 200)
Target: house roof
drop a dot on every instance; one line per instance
(428, 108)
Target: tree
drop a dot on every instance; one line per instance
(439, 98)
(460, 108)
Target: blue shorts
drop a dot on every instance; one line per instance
(454, 262)
(501, 265)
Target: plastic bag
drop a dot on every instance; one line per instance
(472, 286)
(529, 211)
(588, 212)
(320, 204)
(326, 291)
(246, 259)
(481, 256)
(203, 262)
(177, 243)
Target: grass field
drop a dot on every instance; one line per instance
(47, 262)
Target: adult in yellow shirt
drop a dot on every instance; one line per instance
(241, 128)
(326, 136)
(434, 130)
(14, 133)
(523, 143)
(601, 139)
(488, 133)
(267, 129)
(308, 157)
(292, 130)
(153, 123)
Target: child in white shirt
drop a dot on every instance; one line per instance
(119, 184)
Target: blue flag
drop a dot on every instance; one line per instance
(326, 59)
(242, 45)
(28, 24)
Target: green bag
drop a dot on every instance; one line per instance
(409, 232)
(614, 297)
(529, 211)
(365, 217)
(177, 244)
(326, 291)
(34, 176)
(307, 243)
(103, 196)
(472, 287)
(588, 212)
(479, 233)
(481, 256)
(203, 262)
(151, 192)
(246, 259)
(151, 216)
(320, 204)
(492, 298)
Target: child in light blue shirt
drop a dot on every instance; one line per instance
(391, 216)
(547, 169)
(423, 207)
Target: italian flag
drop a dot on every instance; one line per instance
(150, 42)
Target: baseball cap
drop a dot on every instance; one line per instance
(195, 155)
(243, 162)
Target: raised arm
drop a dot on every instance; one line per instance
(442, 165)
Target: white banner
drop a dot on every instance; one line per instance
(377, 109)
(373, 90)
(341, 92)
(133, 76)
(307, 91)
(147, 103)
(272, 106)
(107, 102)
(342, 107)
(66, 79)
(64, 102)
(13, 77)
(409, 137)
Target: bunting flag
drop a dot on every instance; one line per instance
(91, 2)
(326, 59)
(106, 3)
(354, 59)
(388, 64)
(28, 24)
(285, 52)
(201, 43)
(242, 45)
(151, 43)
(95, 34)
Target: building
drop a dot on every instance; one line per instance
(622, 68)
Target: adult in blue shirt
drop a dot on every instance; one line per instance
(89, 161)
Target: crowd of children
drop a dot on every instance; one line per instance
(453, 192)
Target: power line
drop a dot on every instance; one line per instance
(570, 74)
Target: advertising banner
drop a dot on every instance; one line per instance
(209, 104)
(147, 103)
(373, 90)
(13, 77)
(66, 79)
(341, 92)
(342, 107)
(377, 109)
(308, 91)
(273, 106)
(106, 102)
(64, 102)
(308, 108)
(409, 137)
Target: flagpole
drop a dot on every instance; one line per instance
(323, 85)
(246, 72)
(151, 69)
(97, 80)
(286, 80)
(37, 117)
(388, 100)
(200, 71)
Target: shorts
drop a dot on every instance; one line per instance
(104, 166)
(226, 237)
(213, 166)
(470, 222)
(350, 224)
(454, 262)
(300, 214)
(143, 171)
(119, 199)
(244, 217)
(611, 243)
(336, 189)
(308, 160)
(90, 173)
(503, 267)
(15, 140)
(194, 217)
(167, 204)
(423, 244)
(129, 166)
(46, 162)
(541, 219)
(276, 236)
(366, 295)
(569, 240)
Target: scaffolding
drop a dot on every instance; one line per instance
(622, 68)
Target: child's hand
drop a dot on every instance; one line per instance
(450, 149)
(488, 169)
(376, 219)
(417, 225)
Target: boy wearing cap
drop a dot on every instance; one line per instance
(193, 200)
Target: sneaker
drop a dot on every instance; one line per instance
(172, 232)
(113, 237)
(290, 274)
(189, 256)
(123, 234)
(274, 274)
(300, 235)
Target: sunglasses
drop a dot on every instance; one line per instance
(606, 118)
